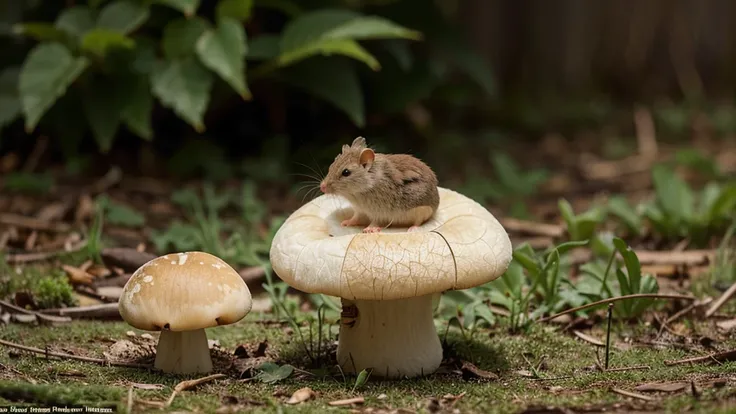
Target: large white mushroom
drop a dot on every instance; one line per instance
(386, 280)
(180, 295)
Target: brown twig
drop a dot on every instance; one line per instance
(721, 300)
(74, 357)
(587, 338)
(632, 394)
(687, 257)
(616, 299)
(119, 280)
(348, 401)
(103, 311)
(32, 223)
(40, 256)
(15, 371)
(111, 177)
(687, 310)
(631, 368)
(36, 153)
(718, 357)
(129, 405)
(185, 385)
(533, 228)
(665, 324)
(49, 319)
(646, 135)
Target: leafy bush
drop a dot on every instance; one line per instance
(102, 65)
(243, 242)
(514, 184)
(539, 283)
(677, 210)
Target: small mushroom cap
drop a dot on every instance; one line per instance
(462, 246)
(184, 291)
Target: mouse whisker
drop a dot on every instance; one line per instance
(307, 186)
(317, 179)
(319, 174)
(307, 194)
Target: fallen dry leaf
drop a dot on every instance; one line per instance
(525, 373)
(727, 325)
(348, 401)
(301, 395)
(663, 386)
(78, 276)
(471, 371)
(31, 240)
(85, 208)
(185, 385)
(53, 211)
(147, 386)
(99, 271)
(86, 265)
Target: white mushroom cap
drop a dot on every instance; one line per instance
(184, 292)
(462, 246)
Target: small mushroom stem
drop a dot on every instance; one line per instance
(183, 352)
(396, 338)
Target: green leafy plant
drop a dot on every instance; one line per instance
(270, 373)
(596, 282)
(535, 280)
(628, 216)
(105, 57)
(119, 214)
(678, 211)
(512, 187)
(583, 225)
(468, 309)
(245, 241)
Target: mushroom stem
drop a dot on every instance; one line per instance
(183, 352)
(396, 338)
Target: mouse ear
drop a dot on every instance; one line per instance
(359, 142)
(366, 158)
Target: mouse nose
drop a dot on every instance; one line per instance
(323, 187)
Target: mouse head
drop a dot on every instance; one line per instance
(349, 173)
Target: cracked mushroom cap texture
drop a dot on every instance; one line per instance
(462, 246)
(184, 291)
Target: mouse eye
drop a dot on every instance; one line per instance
(345, 172)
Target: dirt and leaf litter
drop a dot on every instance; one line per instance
(680, 357)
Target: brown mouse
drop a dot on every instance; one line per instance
(384, 189)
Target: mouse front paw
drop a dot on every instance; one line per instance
(412, 229)
(372, 229)
(349, 222)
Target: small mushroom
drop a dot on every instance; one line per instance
(387, 280)
(180, 295)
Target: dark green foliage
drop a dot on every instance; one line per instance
(118, 59)
(28, 183)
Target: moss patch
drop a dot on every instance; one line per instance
(564, 357)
